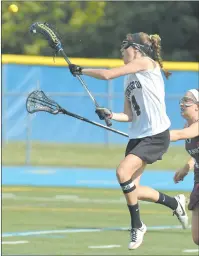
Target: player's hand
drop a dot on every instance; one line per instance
(75, 70)
(179, 175)
(103, 113)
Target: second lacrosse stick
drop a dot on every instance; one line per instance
(38, 101)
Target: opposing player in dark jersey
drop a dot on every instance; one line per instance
(190, 111)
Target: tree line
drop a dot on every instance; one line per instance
(96, 29)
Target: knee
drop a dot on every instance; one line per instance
(125, 180)
(119, 172)
(122, 174)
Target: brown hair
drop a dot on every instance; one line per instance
(155, 42)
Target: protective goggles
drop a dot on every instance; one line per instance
(126, 44)
(144, 49)
(187, 101)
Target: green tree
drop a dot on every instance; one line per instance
(68, 17)
(96, 29)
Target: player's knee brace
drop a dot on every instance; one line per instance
(128, 186)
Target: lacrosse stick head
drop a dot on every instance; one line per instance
(38, 101)
(48, 32)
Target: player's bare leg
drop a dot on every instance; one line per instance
(177, 203)
(132, 166)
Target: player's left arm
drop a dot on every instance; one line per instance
(187, 133)
(107, 74)
(127, 115)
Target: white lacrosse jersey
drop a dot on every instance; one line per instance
(146, 93)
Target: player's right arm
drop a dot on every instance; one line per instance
(187, 133)
(182, 172)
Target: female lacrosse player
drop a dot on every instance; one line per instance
(144, 107)
(190, 111)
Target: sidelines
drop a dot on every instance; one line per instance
(15, 242)
(75, 210)
(83, 230)
(72, 198)
(191, 250)
(104, 246)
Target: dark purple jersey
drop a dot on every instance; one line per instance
(192, 147)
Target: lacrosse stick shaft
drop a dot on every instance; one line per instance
(92, 122)
(46, 30)
(108, 122)
(80, 79)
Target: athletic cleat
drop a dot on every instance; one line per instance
(137, 235)
(180, 212)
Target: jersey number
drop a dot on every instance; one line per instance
(135, 105)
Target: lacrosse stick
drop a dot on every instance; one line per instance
(48, 32)
(38, 101)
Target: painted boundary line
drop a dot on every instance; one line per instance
(83, 230)
(104, 246)
(32, 208)
(191, 250)
(15, 242)
(73, 198)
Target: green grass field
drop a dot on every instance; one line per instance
(36, 209)
(91, 156)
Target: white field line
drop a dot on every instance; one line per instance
(44, 232)
(15, 242)
(82, 230)
(104, 246)
(72, 198)
(191, 250)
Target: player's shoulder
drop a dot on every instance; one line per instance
(147, 63)
(142, 62)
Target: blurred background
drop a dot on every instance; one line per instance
(95, 29)
(91, 33)
(42, 151)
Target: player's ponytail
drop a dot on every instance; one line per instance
(156, 45)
